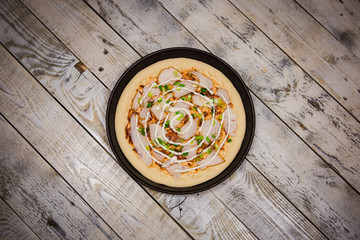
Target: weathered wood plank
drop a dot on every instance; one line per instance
(55, 67)
(252, 199)
(18, 27)
(300, 175)
(341, 18)
(324, 58)
(111, 14)
(145, 25)
(283, 86)
(41, 197)
(104, 52)
(218, 212)
(11, 226)
(78, 158)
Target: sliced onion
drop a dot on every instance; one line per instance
(203, 80)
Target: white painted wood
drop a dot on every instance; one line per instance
(340, 18)
(87, 36)
(41, 197)
(11, 226)
(324, 58)
(83, 95)
(212, 217)
(74, 91)
(78, 158)
(145, 25)
(283, 86)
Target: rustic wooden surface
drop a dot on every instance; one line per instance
(59, 61)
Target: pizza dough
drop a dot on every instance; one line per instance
(180, 122)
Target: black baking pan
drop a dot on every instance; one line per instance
(199, 55)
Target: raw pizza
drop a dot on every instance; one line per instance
(181, 121)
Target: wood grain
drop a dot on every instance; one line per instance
(252, 199)
(210, 220)
(11, 226)
(154, 30)
(78, 158)
(340, 18)
(325, 59)
(41, 197)
(87, 36)
(55, 67)
(282, 85)
(303, 178)
(279, 224)
(17, 23)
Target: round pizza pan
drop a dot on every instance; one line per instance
(199, 55)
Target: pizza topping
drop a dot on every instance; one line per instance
(181, 122)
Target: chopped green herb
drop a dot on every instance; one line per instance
(176, 145)
(142, 131)
(213, 135)
(209, 151)
(202, 93)
(167, 101)
(199, 137)
(161, 88)
(213, 100)
(160, 141)
(147, 148)
(160, 100)
(150, 94)
(181, 85)
(212, 109)
(201, 155)
(181, 148)
(193, 115)
(178, 129)
(229, 140)
(166, 87)
(220, 117)
(181, 140)
(208, 139)
(192, 142)
(176, 74)
(177, 112)
(149, 104)
(197, 159)
(203, 90)
(139, 99)
(183, 98)
(177, 83)
(213, 122)
(216, 146)
(195, 108)
(189, 74)
(171, 154)
(185, 153)
(167, 124)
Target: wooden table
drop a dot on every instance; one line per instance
(61, 59)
